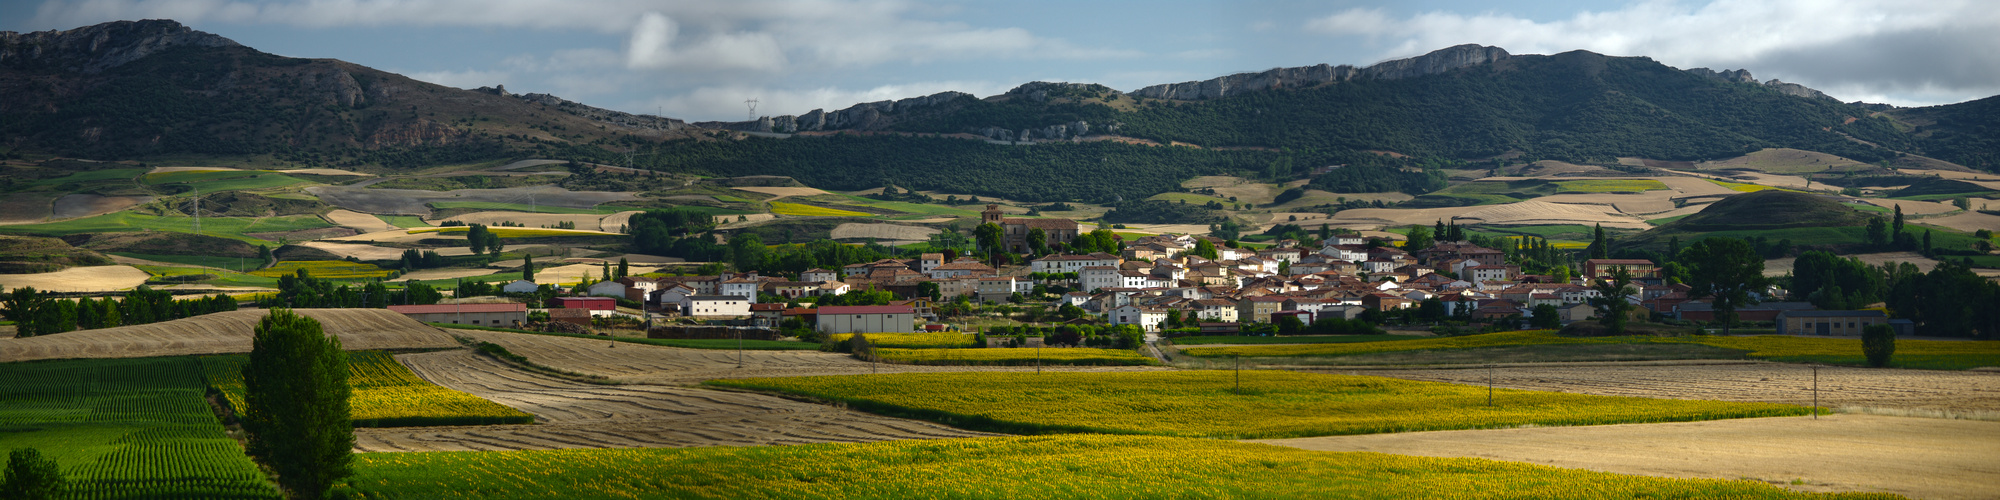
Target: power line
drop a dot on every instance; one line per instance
(753, 109)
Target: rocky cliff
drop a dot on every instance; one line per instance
(1743, 76)
(93, 49)
(1438, 61)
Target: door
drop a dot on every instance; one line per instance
(1824, 328)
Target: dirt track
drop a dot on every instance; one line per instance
(1916, 457)
(579, 415)
(1921, 392)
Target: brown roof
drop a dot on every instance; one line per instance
(1041, 223)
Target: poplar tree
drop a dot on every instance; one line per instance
(296, 404)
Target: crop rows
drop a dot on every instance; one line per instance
(126, 428)
(334, 269)
(916, 340)
(1075, 466)
(1268, 404)
(386, 394)
(1017, 356)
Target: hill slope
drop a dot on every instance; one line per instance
(1770, 213)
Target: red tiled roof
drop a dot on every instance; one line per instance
(459, 308)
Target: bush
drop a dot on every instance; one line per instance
(1878, 342)
(29, 475)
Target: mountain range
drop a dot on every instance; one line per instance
(140, 89)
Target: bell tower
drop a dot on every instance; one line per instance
(991, 215)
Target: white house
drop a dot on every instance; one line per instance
(929, 261)
(996, 287)
(867, 319)
(520, 286)
(1100, 277)
(819, 275)
(1128, 314)
(745, 287)
(715, 305)
(1073, 263)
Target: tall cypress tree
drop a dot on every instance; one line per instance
(296, 404)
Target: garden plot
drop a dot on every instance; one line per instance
(646, 364)
(359, 221)
(1890, 390)
(78, 279)
(580, 415)
(413, 201)
(357, 250)
(1919, 458)
(88, 205)
(225, 332)
(853, 230)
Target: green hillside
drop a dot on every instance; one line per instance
(1806, 219)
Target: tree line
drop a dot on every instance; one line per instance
(40, 313)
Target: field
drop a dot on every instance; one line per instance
(1947, 394)
(386, 394)
(917, 340)
(222, 333)
(1018, 356)
(581, 415)
(1003, 467)
(222, 278)
(1298, 339)
(782, 208)
(719, 344)
(1610, 186)
(332, 269)
(1930, 354)
(227, 227)
(359, 221)
(238, 264)
(896, 232)
(517, 232)
(127, 428)
(524, 207)
(1741, 187)
(404, 221)
(78, 279)
(1205, 403)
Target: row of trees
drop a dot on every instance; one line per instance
(302, 290)
(38, 313)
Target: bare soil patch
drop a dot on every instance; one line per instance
(413, 201)
(1692, 186)
(737, 221)
(357, 250)
(882, 231)
(1650, 202)
(1920, 391)
(78, 279)
(358, 221)
(588, 222)
(89, 205)
(578, 415)
(1788, 161)
(26, 208)
(1915, 457)
(224, 332)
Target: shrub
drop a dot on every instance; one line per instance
(29, 475)
(1878, 342)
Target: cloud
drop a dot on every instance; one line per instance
(725, 103)
(651, 47)
(1929, 44)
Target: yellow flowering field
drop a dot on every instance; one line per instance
(1610, 186)
(1926, 354)
(1016, 356)
(386, 394)
(1015, 467)
(1206, 403)
(782, 208)
(335, 269)
(912, 340)
(1747, 188)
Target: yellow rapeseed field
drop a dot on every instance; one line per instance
(1207, 403)
(1069, 466)
(1936, 354)
(1016, 356)
(782, 208)
(386, 394)
(914, 340)
(1746, 188)
(336, 269)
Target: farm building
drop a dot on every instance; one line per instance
(507, 314)
(587, 303)
(1827, 322)
(766, 314)
(716, 305)
(867, 319)
(520, 286)
(1766, 311)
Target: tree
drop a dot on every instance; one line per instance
(1420, 238)
(746, 251)
(624, 267)
(1725, 270)
(1898, 228)
(1878, 232)
(1069, 311)
(493, 244)
(1878, 343)
(1560, 274)
(1038, 241)
(929, 289)
(22, 306)
(1173, 318)
(30, 476)
(1599, 248)
(1547, 317)
(1290, 325)
(528, 267)
(1611, 302)
(296, 404)
(475, 237)
(1204, 249)
(991, 238)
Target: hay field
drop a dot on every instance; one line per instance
(78, 279)
(359, 221)
(1968, 221)
(882, 232)
(573, 273)
(224, 332)
(1912, 207)
(580, 415)
(1532, 212)
(1787, 161)
(1694, 186)
(325, 171)
(357, 250)
(415, 201)
(615, 223)
(1962, 393)
(441, 274)
(1649, 202)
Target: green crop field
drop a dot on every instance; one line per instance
(1610, 186)
(404, 221)
(223, 278)
(94, 177)
(226, 227)
(1073, 466)
(715, 344)
(223, 180)
(386, 394)
(1017, 356)
(1299, 339)
(523, 207)
(126, 428)
(1206, 403)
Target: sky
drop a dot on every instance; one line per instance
(700, 60)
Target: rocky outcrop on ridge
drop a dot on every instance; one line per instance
(95, 48)
(1436, 62)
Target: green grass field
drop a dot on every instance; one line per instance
(404, 221)
(126, 428)
(224, 180)
(1073, 466)
(223, 278)
(82, 179)
(1207, 403)
(925, 209)
(1018, 356)
(1610, 186)
(226, 227)
(1296, 339)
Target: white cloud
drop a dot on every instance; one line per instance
(725, 103)
(1753, 34)
(465, 79)
(652, 47)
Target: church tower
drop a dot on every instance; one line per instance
(991, 215)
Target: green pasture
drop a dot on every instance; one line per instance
(1610, 186)
(226, 227)
(404, 221)
(108, 176)
(1296, 339)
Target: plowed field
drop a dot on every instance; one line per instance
(579, 415)
(1919, 392)
(226, 332)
